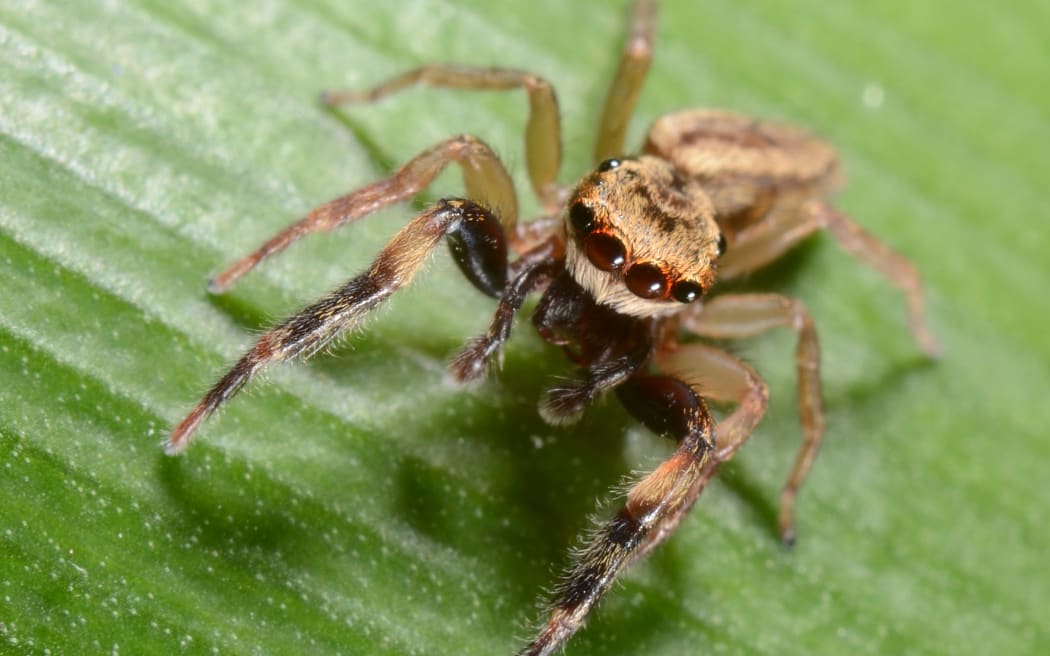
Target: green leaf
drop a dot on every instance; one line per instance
(360, 504)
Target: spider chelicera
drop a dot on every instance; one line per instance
(624, 261)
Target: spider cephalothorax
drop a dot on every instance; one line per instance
(642, 238)
(621, 261)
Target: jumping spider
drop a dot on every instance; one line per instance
(623, 261)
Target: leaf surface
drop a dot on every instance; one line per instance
(361, 504)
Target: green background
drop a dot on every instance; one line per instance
(362, 504)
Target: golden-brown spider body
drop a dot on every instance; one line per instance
(747, 168)
(641, 237)
(624, 262)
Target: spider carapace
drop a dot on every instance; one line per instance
(624, 262)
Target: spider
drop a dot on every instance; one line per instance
(624, 262)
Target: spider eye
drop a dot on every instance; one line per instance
(608, 165)
(605, 251)
(686, 291)
(722, 245)
(645, 280)
(581, 217)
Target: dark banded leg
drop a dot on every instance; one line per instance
(528, 273)
(726, 379)
(542, 132)
(565, 403)
(317, 325)
(485, 179)
(666, 405)
(736, 316)
(627, 85)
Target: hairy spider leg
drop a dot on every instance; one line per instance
(627, 84)
(317, 325)
(611, 346)
(542, 131)
(565, 403)
(781, 230)
(869, 249)
(527, 274)
(668, 406)
(737, 316)
(723, 379)
(484, 176)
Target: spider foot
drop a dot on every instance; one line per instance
(564, 405)
(475, 360)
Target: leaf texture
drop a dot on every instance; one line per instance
(361, 504)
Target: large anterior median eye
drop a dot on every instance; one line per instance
(645, 280)
(604, 251)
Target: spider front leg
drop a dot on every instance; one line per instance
(542, 131)
(484, 176)
(724, 379)
(484, 259)
(737, 316)
(666, 405)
